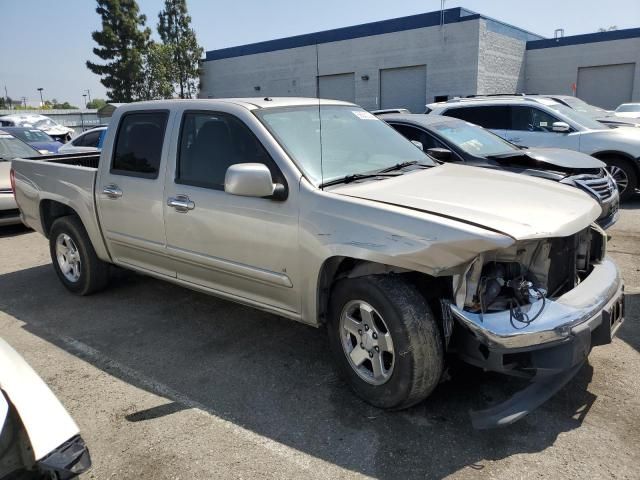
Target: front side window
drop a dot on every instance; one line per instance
(210, 143)
(531, 119)
(91, 139)
(491, 116)
(334, 141)
(139, 144)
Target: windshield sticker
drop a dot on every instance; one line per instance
(4, 135)
(362, 115)
(544, 124)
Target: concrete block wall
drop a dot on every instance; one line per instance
(449, 53)
(501, 61)
(556, 69)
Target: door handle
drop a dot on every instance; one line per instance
(181, 203)
(112, 191)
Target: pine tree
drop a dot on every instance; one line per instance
(174, 28)
(123, 41)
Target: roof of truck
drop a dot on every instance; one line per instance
(250, 103)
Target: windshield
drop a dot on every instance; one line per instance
(11, 147)
(473, 139)
(45, 123)
(581, 106)
(353, 141)
(629, 108)
(33, 135)
(578, 117)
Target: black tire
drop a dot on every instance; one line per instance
(417, 344)
(628, 168)
(94, 273)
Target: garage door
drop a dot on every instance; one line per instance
(606, 86)
(404, 88)
(338, 87)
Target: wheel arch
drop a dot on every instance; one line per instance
(50, 211)
(604, 154)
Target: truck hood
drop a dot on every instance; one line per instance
(519, 206)
(5, 167)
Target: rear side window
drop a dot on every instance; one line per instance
(139, 144)
(210, 143)
(91, 139)
(496, 117)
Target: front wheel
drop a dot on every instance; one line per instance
(74, 259)
(624, 175)
(385, 340)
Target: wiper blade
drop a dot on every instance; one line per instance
(357, 176)
(398, 166)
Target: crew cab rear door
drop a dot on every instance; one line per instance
(130, 190)
(238, 246)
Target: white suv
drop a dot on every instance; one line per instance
(543, 122)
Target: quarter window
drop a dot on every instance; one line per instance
(139, 144)
(210, 143)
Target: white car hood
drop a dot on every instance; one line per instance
(626, 139)
(519, 206)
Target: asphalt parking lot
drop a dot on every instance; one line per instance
(168, 383)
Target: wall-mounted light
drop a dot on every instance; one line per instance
(257, 88)
(365, 78)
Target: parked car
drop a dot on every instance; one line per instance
(10, 147)
(628, 110)
(403, 259)
(528, 122)
(58, 132)
(603, 116)
(36, 138)
(89, 141)
(453, 140)
(39, 439)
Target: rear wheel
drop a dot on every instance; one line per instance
(385, 340)
(624, 174)
(74, 259)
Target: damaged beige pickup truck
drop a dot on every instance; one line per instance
(319, 212)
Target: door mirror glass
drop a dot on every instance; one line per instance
(418, 144)
(441, 154)
(251, 180)
(561, 127)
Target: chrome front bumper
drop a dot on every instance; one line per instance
(582, 308)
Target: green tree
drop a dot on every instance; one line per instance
(174, 28)
(97, 103)
(123, 42)
(158, 73)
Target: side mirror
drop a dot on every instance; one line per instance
(441, 154)
(561, 127)
(418, 144)
(252, 180)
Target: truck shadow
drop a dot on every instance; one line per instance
(275, 377)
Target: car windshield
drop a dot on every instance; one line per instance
(581, 106)
(577, 117)
(45, 123)
(473, 139)
(629, 108)
(11, 147)
(33, 135)
(353, 141)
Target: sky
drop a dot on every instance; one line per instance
(45, 43)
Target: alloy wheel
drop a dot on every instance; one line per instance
(68, 257)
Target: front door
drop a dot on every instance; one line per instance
(533, 127)
(130, 194)
(241, 247)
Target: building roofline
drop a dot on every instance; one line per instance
(430, 19)
(584, 38)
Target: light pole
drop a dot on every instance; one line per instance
(85, 100)
(89, 93)
(41, 100)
